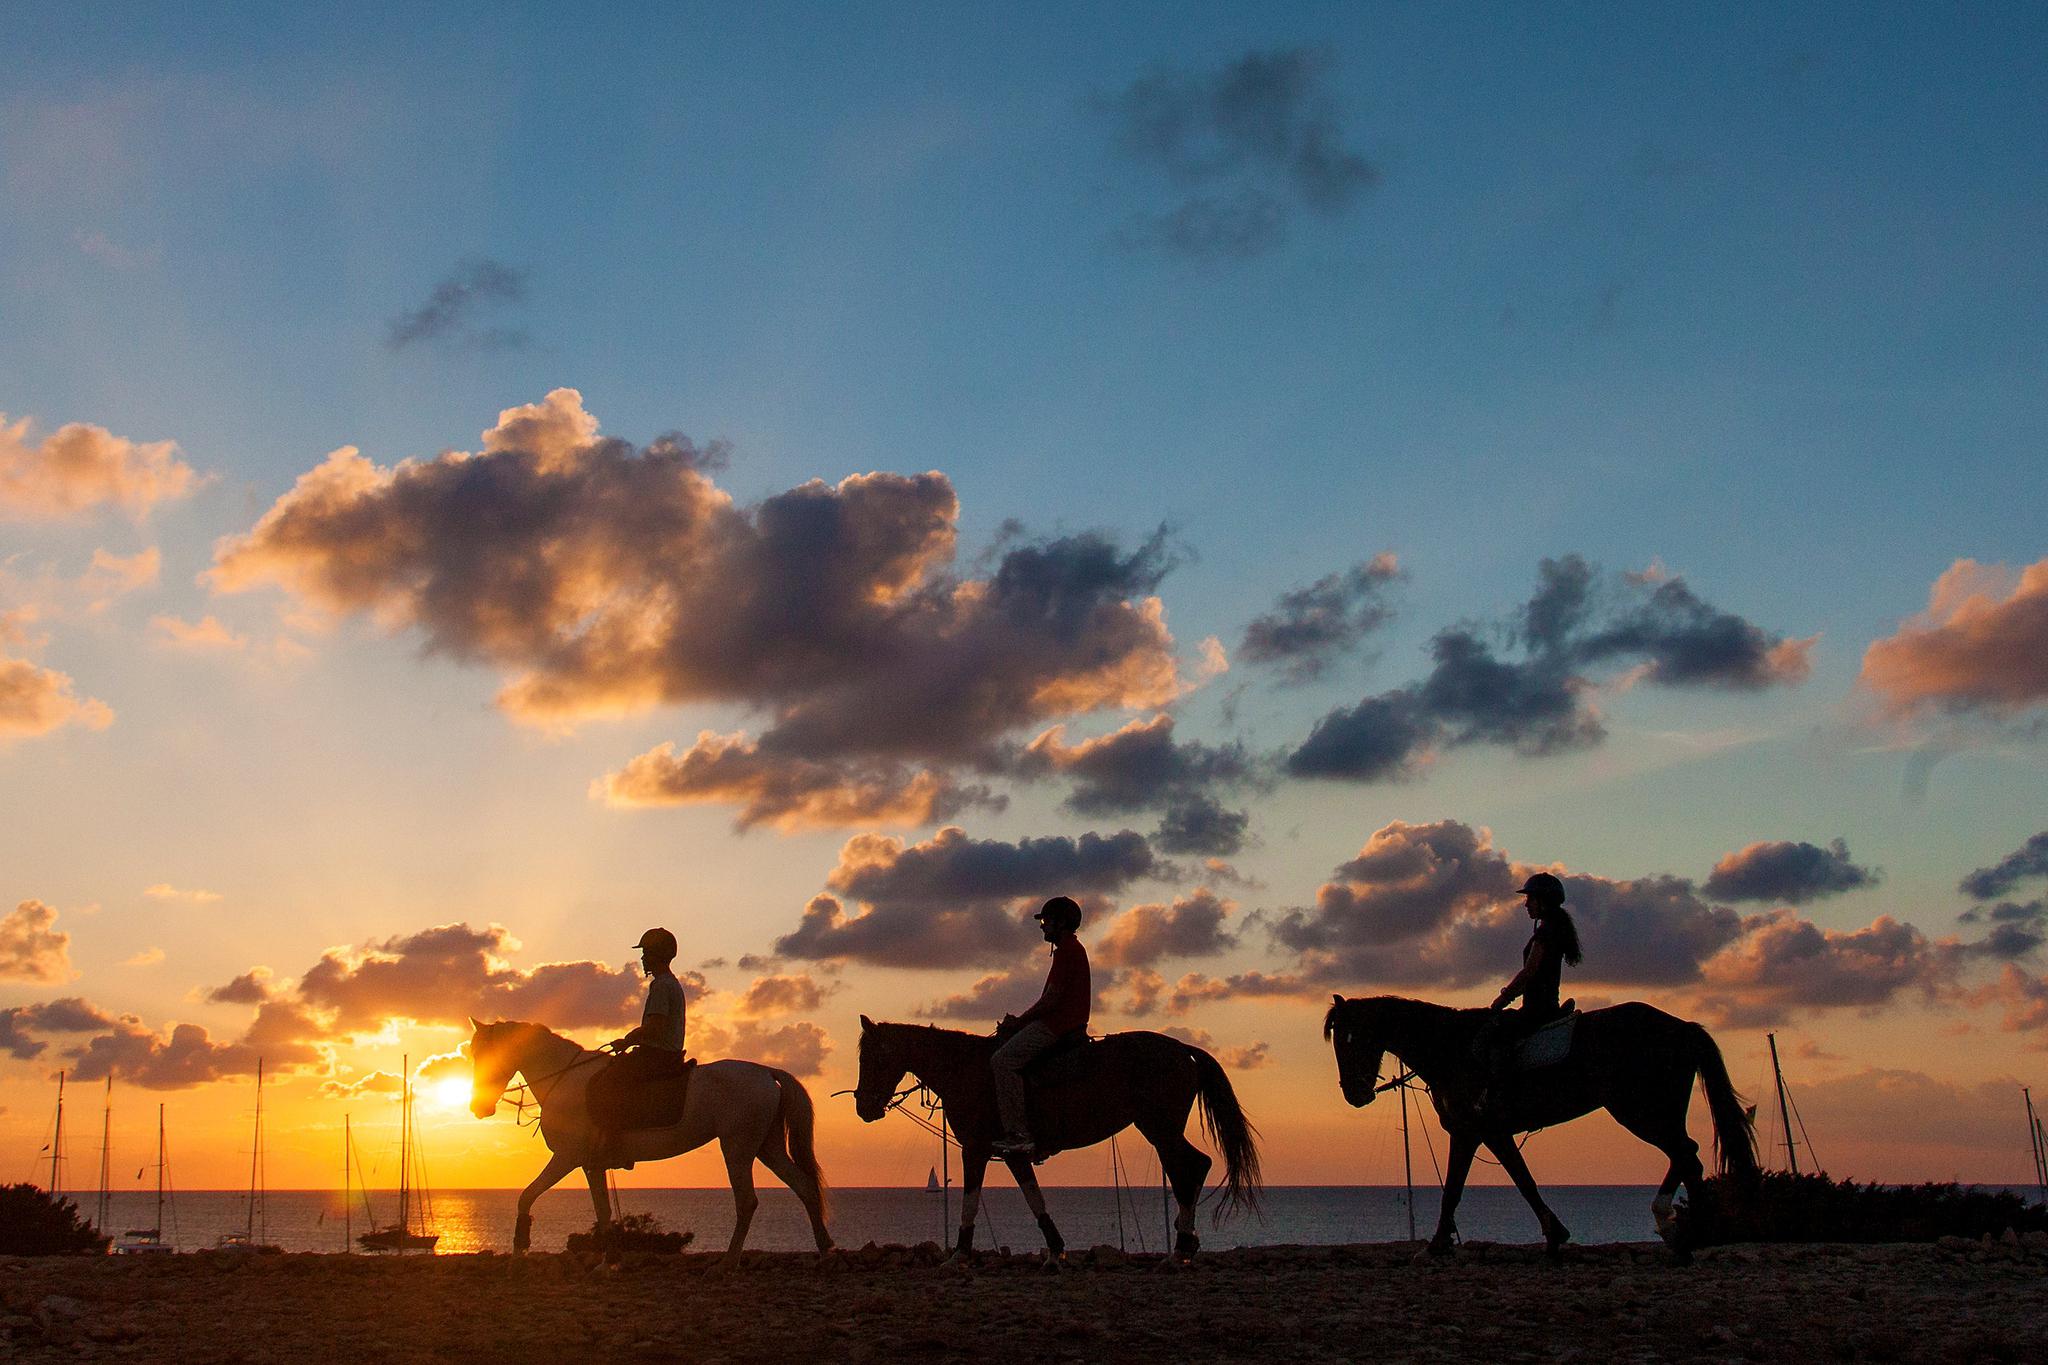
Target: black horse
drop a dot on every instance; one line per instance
(1078, 1099)
(1634, 1060)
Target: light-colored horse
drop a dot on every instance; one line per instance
(757, 1113)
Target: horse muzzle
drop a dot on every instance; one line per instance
(868, 1111)
(483, 1109)
(1359, 1096)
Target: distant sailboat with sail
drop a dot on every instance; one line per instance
(400, 1235)
(257, 1226)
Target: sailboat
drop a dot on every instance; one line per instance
(248, 1239)
(150, 1241)
(400, 1236)
(931, 1182)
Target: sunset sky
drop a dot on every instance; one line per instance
(475, 485)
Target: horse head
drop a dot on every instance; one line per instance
(490, 1066)
(1349, 1027)
(882, 1066)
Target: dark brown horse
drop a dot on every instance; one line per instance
(1635, 1061)
(1077, 1100)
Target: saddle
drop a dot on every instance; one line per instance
(645, 1088)
(1060, 1062)
(1549, 1043)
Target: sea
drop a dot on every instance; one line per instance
(1134, 1219)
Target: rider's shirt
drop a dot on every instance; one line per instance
(662, 1023)
(1539, 995)
(1063, 1006)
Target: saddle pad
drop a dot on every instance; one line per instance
(1060, 1063)
(1548, 1045)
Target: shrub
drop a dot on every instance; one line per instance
(634, 1232)
(34, 1224)
(1781, 1207)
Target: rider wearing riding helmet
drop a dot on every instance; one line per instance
(1552, 943)
(1062, 1009)
(651, 1051)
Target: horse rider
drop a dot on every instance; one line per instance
(1552, 943)
(650, 1052)
(1062, 1009)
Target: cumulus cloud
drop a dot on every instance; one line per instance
(1528, 683)
(1981, 645)
(67, 1015)
(252, 987)
(2024, 997)
(799, 1049)
(32, 948)
(1238, 1057)
(1191, 926)
(371, 1083)
(282, 1034)
(78, 468)
(787, 791)
(1784, 963)
(451, 972)
(602, 579)
(1141, 766)
(2027, 861)
(953, 901)
(36, 700)
(1786, 872)
(196, 895)
(788, 993)
(1310, 628)
(1238, 150)
(991, 997)
(472, 288)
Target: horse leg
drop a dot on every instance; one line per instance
(1555, 1234)
(601, 1202)
(1187, 1170)
(786, 1170)
(1457, 1165)
(1027, 1181)
(549, 1177)
(973, 1170)
(739, 1169)
(1677, 1144)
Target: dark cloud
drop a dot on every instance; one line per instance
(1238, 149)
(2016, 928)
(67, 1015)
(1191, 926)
(2028, 860)
(466, 291)
(1245, 1057)
(1197, 989)
(1541, 702)
(282, 1034)
(991, 997)
(1784, 963)
(1981, 645)
(1786, 873)
(789, 792)
(604, 580)
(252, 987)
(1310, 628)
(799, 1049)
(953, 901)
(452, 972)
(1141, 766)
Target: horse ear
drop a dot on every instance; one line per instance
(867, 1025)
(474, 1026)
(1336, 999)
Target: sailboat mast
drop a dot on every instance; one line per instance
(1784, 1108)
(57, 1140)
(404, 1139)
(347, 1192)
(1407, 1164)
(255, 1145)
(159, 1171)
(2034, 1140)
(99, 1217)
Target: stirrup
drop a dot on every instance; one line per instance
(1013, 1145)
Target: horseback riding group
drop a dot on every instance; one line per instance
(1040, 1085)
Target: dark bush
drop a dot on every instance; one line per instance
(1781, 1207)
(33, 1224)
(635, 1232)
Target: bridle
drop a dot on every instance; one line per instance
(532, 1085)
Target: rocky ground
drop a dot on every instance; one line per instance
(1958, 1301)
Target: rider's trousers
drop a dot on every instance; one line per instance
(1009, 1063)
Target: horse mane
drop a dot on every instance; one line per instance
(948, 1039)
(1399, 1011)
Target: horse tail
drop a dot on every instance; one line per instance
(1734, 1135)
(799, 1121)
(1231, 1132)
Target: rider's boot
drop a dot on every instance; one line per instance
(1013, 1144)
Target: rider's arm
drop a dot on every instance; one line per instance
(1522, 979)
(1049, 998)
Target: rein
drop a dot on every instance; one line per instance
(533, 1083)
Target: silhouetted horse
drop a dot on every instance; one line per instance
(1078, 1098)
(757, 1113)
(1636, 1061)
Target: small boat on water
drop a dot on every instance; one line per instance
(401, 1236)
(931, 1182)
(150, 1241)
(249, 1239)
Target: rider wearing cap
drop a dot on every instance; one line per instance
(652, 1051)
(1553, 943)
(1062, 1009)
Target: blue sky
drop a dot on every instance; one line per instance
(1753, 296)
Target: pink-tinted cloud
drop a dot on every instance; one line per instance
(452, 972)
(2024, 998)
(1238, 1057)
(787, 993)
(799, 1048)
(786, 791)
(1191, 926)
(79, 467)
(206, 634)
(1982, 644)
(36, 700)
(32, 948)
(1783, 963)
